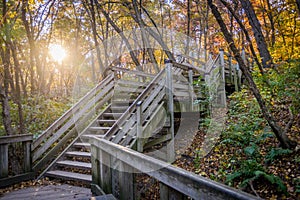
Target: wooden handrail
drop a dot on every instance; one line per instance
(131, 108)
(68, 113)
(15, 138)
(130, 161)
(139, 73)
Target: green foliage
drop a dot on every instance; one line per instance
(276, 153)
(251, 170)
(297, 183)
(283, 85)
(39, 113)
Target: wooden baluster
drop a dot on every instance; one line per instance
(169, 92)
(139, 127)
(222, 84)
(126, 181)
(3, 160)
(230, 69)
(27, 156)
(236, 78)
(191, 93)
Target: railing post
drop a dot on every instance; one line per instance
(223, 81)
(191, 80)
(169, 92)
(230, 69)
(3, 160)
(105, 172)
(236, 78)
(126, 181)
(139, 127)
(27, 156)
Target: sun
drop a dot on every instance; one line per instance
(57, 52)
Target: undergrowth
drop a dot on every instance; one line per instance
(251, 154)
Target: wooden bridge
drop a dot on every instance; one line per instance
(109, 135)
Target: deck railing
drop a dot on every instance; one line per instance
(70, 123)
(113, 169)
(6, 178)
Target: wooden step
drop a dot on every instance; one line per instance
(82, 145)
(131, 83)
(78, 154)
(128, 89)
(75, 164)
(100, 128)
(104, 197)
(113, 115)
(122, 102)
(119, 108)
(106, 121)
(69, 176)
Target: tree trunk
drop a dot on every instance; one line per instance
(18, 90)
(259, 38)
(246, 35)
(120, 32)
(94, 30)
(278, 131)
(145, 38)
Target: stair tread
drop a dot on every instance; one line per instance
(81, 144)
(96, 128)
(79, 153)
(69, 175)
(107, 120)
(75, 164)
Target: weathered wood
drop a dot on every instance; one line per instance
(77, 164)
(235, 77)
(50, 130)
(170, 113)
(125, 128)
(159, 140)
(15, 138)
(70, 124)
(52, 153)
(190, 89)
(139, 73)
(3, 160)
(151, 107)
(27, 156)
(131, 83)
(181, 180)
(126, 181)
(230, 69)
(4, 182)
(169, 193)
(131, 108)
(70, 175)
(180, 86)
(128, 89)
(105, 171)
(222, 84)
(45, 192)
(139, 131)
(157, 118)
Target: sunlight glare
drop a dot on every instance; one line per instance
(57, 52)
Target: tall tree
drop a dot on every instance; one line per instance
(278, 131)
(257, 31)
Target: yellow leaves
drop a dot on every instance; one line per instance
(12, 14)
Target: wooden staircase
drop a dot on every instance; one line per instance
(74, 164)
(137, 116)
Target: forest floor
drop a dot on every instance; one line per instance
(249, 159)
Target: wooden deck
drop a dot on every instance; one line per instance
(49, 192)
